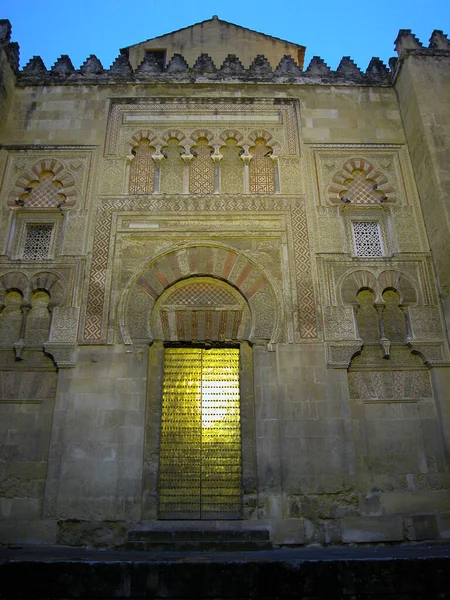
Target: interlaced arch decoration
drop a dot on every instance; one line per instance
(361, 183)
(235, 299)
(48, 185)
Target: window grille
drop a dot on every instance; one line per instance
(37, 242)
(366, 235)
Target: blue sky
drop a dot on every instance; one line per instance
(328, 29)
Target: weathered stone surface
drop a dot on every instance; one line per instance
(371, 529)
(287, 213)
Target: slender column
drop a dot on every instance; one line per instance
(158, 156)
(126, 178)
(20, 344)
(216, 157)
(187, 156)
(246, 157)
(384, 341)
(276, 173)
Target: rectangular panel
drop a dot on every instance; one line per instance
(221, 435)
(200, 457)
(180, 453)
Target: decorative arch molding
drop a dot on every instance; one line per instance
(233, 134)
(48, 184)
(45, 281)
(143, 134)
(172, 134)
(401, 283)
(201, 309)
(260, 134)
(63, 324)
(424, 333)
(226, 270)
(361, 183)
(50, 283)
(352, 283)
(202, 134)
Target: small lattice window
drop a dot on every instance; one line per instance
(37, 242)
(367, 238)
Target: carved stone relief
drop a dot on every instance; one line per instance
(37, 178)
(279, 115)
(95, 324)
(391, 302)
(228, 316)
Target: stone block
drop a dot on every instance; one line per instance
(371, 529)
(91, 533)
(288, 532)
(421, 527)
(415, 502)
(25, 508)
(324, 532)
(28, 532)
(444, 526)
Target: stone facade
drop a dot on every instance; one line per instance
(226, 199)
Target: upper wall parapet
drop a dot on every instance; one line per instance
(407, 44)
(204, 70)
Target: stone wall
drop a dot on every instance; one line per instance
(422, 85)
(148, 207)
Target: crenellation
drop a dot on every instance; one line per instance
(203, 69)
(121, 66)
(92, 66)
(377, 67)
(232, 66)
(63, 66)
(348, 67)
(5, 32)
(35, 67)
(439, 40)
(13, 53)
(148, 66)
(287, 67)
(393, 63)
(177, 64)
(406, 41)
(318, 66)
(260, 67)
(204, 64)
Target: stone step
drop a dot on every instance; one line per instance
(196, 545)
(199, 535)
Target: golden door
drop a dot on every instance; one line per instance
(200, 454)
